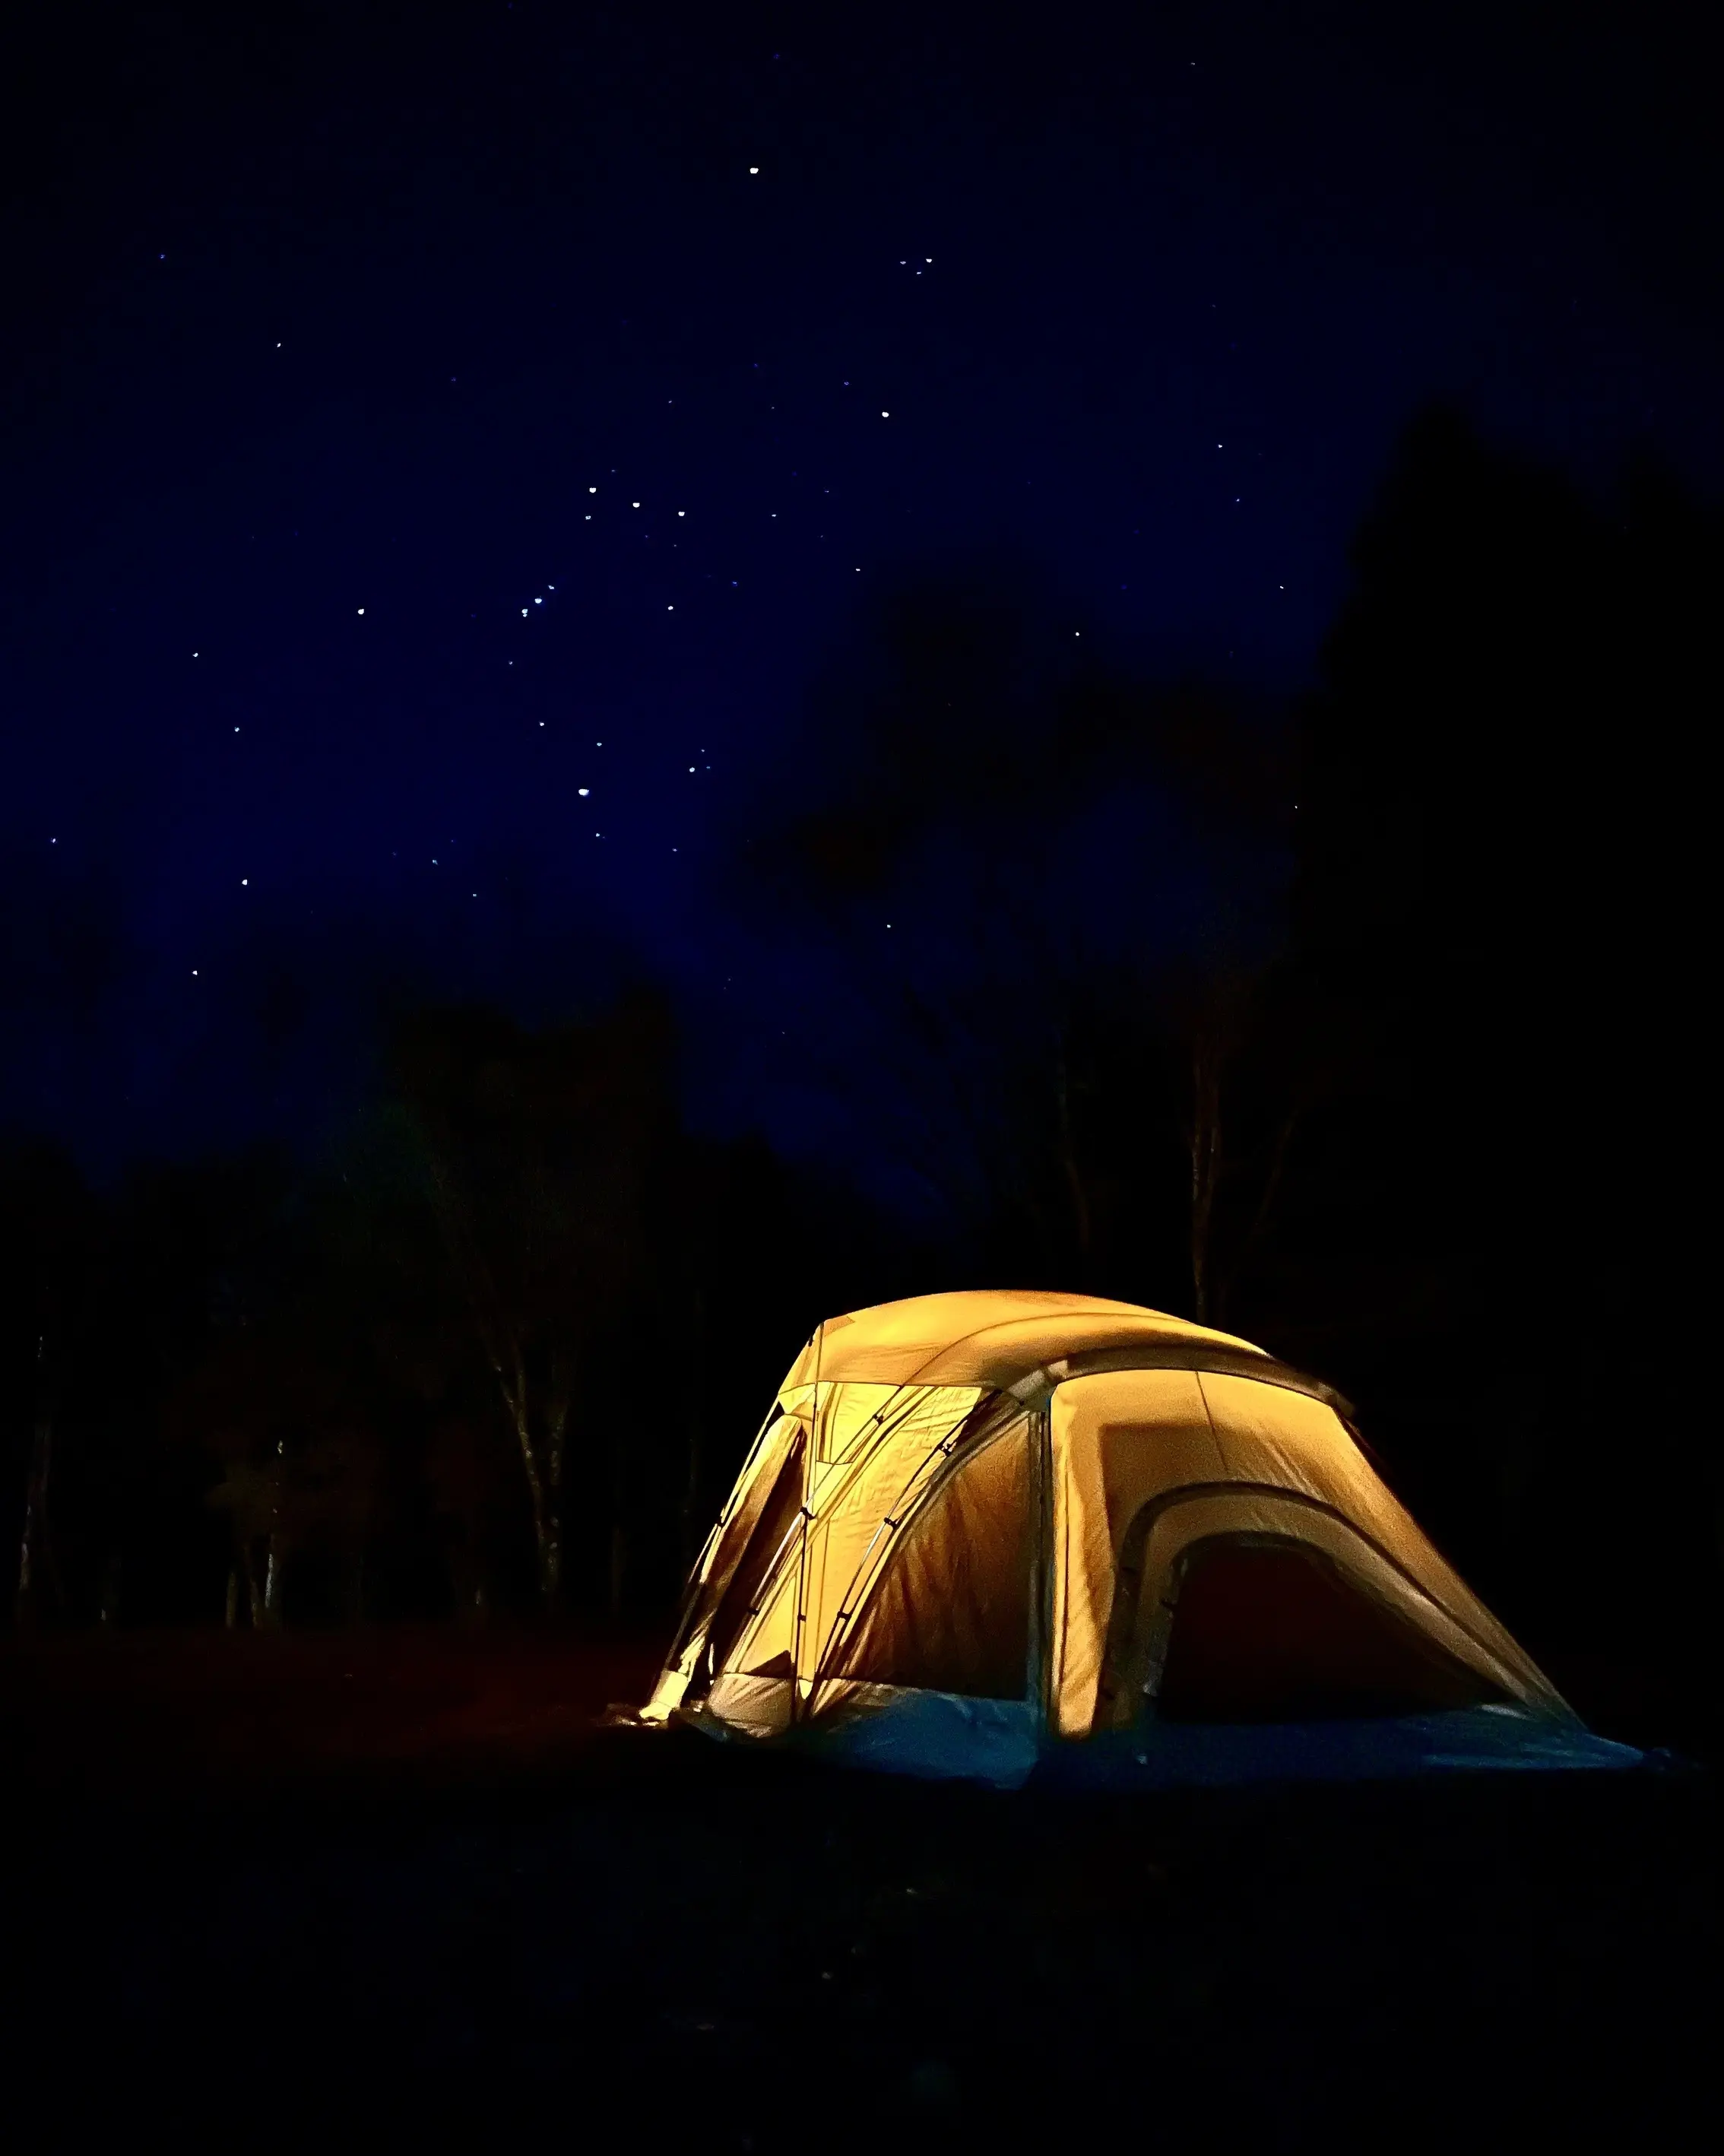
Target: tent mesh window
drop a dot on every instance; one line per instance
(731, 1537)
(1269, 1630)
(776, 1519)
(951, 1612)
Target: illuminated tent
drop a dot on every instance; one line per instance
(980, 1532)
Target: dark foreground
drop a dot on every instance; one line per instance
(615, 1940)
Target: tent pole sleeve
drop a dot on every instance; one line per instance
(1037, 1386)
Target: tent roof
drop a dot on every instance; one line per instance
(989, 1336)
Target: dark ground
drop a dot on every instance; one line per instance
(253, 1899)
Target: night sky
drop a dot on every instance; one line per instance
(451, 456)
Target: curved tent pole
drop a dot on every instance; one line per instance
(808, 1521)
(697, 1580)
(991, 1418)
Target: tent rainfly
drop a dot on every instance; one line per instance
(982, 1535)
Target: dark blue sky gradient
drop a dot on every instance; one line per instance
(332, 309)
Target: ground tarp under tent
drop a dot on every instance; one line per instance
(993, 1535)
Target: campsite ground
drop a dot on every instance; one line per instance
(397, 1890)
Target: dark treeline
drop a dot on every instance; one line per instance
(495, 1352)
(1367, 1034)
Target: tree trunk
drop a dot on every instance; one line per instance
(33, 1552)
(254, 1591)
(272, 1584)
(549, 1565)
(1221, 1294)
(552, 1582)
(34, 1557)
(231, 1616)
(546, 1541)
(466, 1568)
(276, 1561)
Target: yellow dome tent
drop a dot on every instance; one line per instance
(978, 1532)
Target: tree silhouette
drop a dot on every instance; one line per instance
(1497, 856)
(539, 1151)
(1080, 870)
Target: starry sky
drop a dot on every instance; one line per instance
(446, 449)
